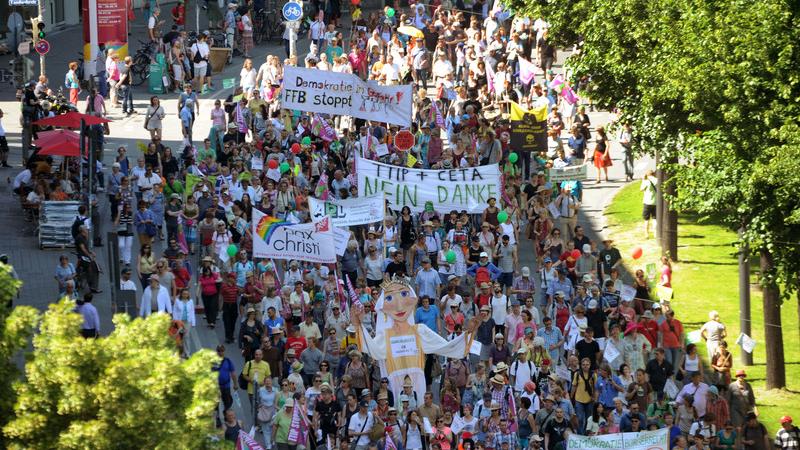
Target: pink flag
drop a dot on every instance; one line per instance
(557, 83)
(490, 77)
(438, 113)
(569, 94)
(526, 71)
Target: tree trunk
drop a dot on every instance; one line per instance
(744, 296)
(773, 337)
(669, 240)
(659, 200)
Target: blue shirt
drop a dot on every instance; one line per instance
(427, 281)
(556, 285)
(225, 369)
(276, 322)
(427, 317)
(606, 391)
(186, 116)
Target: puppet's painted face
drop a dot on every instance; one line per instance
(399, 301)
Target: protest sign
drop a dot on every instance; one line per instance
(528, 128)
(460, 189)
(352, 211)
(628, 293)
(611, 353)
(341, 236)
(570, 173)
(345, 94)
(273, 238)
(643, 440)
(747, 343)
(475, 348)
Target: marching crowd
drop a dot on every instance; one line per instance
(565, 345)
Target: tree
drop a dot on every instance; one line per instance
(16, 327)
(713, 88)
(128, 390)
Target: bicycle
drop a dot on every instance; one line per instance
(265, 26)
(140, 68)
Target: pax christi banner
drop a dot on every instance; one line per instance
(643, 440)
(460, 189)
(529, 128)
(345, 94)
(352, 211)
(274, 238)
(112, 27)
(246, 442)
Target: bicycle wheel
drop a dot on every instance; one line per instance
(140, 73)
(258, 33)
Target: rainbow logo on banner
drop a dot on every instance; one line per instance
(267, 225)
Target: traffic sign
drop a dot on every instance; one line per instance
(24, 48)
(403, 140)
(292, 11)
(42, 47)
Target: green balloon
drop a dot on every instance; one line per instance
(513, 157)
(306, 141)
(232, 250)
(450, 256)
(502, 216)
(390, 13)
(284, 167)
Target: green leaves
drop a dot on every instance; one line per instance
(128, 390)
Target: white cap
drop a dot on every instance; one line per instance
(117, 165)
(587, 248)
(592, 304)
(484, 255)
(324, 271)
(526, 271)
(453, 302)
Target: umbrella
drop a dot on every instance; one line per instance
(59, 143)
(71, 119)
(410, 31)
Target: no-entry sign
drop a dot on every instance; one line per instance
(403, 140)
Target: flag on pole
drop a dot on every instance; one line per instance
(526, 71)
(389, 443)
(490, 77)
(438, 114)
(351, 291)
(246, 442)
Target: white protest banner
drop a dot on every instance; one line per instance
(273, 238)
(628, 293)
(351, 211)
(460, 189)
(341, 237)
(569, 173)
(345, 94)
(671, 389)
(643, 440)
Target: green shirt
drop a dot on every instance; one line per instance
(282, 421)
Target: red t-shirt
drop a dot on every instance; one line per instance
(670, 333)
(483, 300)
(229, 292)
(298, 343)
(650, 331)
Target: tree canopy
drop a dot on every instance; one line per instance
(714, 87)
(130, 389)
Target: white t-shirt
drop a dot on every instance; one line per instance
(151, 23)
(359, 423)
(499, 309)
(201, 47)
(523, 372)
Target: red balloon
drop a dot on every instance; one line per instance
(575, 254)
(273, 164)
(637, 253)
(295, 148)
(355, 2)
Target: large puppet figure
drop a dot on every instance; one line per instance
(400, 346)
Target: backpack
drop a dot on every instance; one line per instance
(67, 81)
(76, 226)
(482, 275)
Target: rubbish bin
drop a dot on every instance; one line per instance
(155, 85)
(218, 58)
